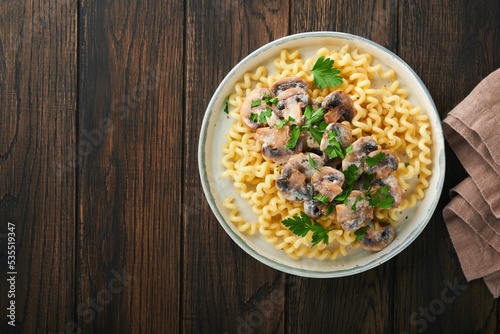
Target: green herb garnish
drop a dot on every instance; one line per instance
(325, 74)
(375, 160)
(330, 210)
(294, 137)
(254, 117)
(407, 164)
(301, 225)
(359, 198)
(322, 198)
(255, 103)
(311, 161)
(368, 180)
(313, 116)
(267, 100)
(360, 233)
(265, 114)
(350, 177)
(226, 105)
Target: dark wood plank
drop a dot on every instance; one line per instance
(452, 46)
(225, 291)
(361, 303)
(131, 89)
(38, 66)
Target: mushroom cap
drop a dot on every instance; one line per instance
(293, 186)
(395, 189)
(291, 102)
(385, 166)
(286, 83)
(343, 135)
(302, 163)
(339, 106)
(314, 208)
(328, 182)
(274, 142)
(378, 238)
(349, 219)
(246, 108)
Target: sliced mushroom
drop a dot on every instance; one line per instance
(274, 143)
(360, 149)
(291, 102)
(378, 238)
(385, 166)
(293, 186)
(351, 219)
(280, 85)
(247, 110)
(338, 106)
(342, 134)
(314, 208)
(302, 163)
(393, 186)
(328, 182)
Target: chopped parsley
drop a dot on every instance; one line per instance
(226, 105)
(285, 122)
(348, 149)
(294, 137)
(325, 74)
(359, 198)
(407, 164)
(330, 210)
(267, 100)
(350, 177)
(264, 115)
(311, 161)
(367, 180)
(255, 103)
(254, 117)
(375, 160)
(301, 225)
(322, 198)
(381, 198)
(334, 150)
(360, 232)
(313, 116)
(315, 133)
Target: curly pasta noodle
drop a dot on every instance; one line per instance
(383, 113)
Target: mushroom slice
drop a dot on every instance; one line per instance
(385, 166)
(280, 85)
(247, 110)
(351, 219)
(394, 187)
(328, 182)
(360, 149)
(314, 208)
(378, 238)
(274, 143)
(293, 186)
(339, 106)
(302, 163)
(291, 102)
(342, 134)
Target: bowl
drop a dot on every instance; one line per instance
(216, 124)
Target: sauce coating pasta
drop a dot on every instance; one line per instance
(383, 113)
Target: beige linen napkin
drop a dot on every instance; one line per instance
(473, 215)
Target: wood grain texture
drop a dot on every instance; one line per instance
(225, 290)
(362, 303)
(38, 70)
(130, 192)
(451, 47)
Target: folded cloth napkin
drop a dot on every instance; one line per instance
(473, 215)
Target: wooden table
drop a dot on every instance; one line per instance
(101, 107)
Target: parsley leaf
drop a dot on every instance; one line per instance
(316, 134)
(384, 202)
(268, 100)
(330, 210)
(322, 198)
(285, 121)
(226, 105)
(375, 160)
(407, 164)
(294, 137)
(350, 177)
(348, 149)
(325, 74)
(274, 100)
(313, 116)
(254, 117)
(360, 233)
(301, 225)
(354, 205)
(334, 150)
(264, 114)
(255, 103)
(311, 161)
(322, 126)
(367, 180)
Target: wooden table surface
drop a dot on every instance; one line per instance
(101, 104)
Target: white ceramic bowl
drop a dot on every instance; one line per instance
(216, 124)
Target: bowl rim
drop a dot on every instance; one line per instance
(276, 264)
